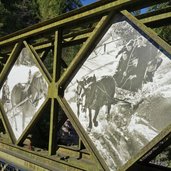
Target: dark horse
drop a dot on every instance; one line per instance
(95, 94)
(80, 92)
(25, 98)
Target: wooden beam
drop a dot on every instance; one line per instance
(75, 17)
(149, 32)
(157, 149)
(54, 105)
(66, 43)
(44, 45)
(78, 33)
(157, 20)
(43, 160)
(153, 13)
(7, 124)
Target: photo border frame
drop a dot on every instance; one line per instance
(81, 58)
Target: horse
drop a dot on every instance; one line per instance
(80, 90)
(25, 98)
(96, 94)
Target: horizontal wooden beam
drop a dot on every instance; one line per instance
(157, 20)
(153, 13)
(31, 160)
(44, 45)
(76, 16)
(67, 38)
(79, 32)
(68, 42)
(143, 4)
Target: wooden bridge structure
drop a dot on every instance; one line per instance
(45, 144)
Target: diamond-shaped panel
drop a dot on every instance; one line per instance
(23, 92)
(121, 94)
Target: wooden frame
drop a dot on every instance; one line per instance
(101, 13)
(63, 82)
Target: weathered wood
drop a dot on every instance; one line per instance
(34, 161)
(157, 20)
(39, 63)
(149, 32)
(74, 17)
(153, 13)
(54, 106)
(7, 125)
(157, 149)
(89, 36)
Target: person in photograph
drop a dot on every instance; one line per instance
(124, 69)
(152, 67)
(5, 93)
(144, 52)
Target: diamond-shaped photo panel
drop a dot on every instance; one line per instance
(23, 92)
(121, 94)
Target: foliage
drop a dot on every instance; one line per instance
(51, 8)
(17, 15)
(163, 32)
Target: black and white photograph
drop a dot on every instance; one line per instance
(121, 94)
(23, 92)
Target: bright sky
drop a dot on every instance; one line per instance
(86, 2)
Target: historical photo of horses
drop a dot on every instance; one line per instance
(122, 93)
(23, 92)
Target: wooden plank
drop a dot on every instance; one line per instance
(43, 160)
(157, 20)
(44, 45)
(54, 105)
(75, 17)
(153, 13)
(52, 131)
(143, 4)
(67, 42)
(157, 149)
(24, 163)
(79, 32)
(147, 148)
(7, 124)
(39, 63)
